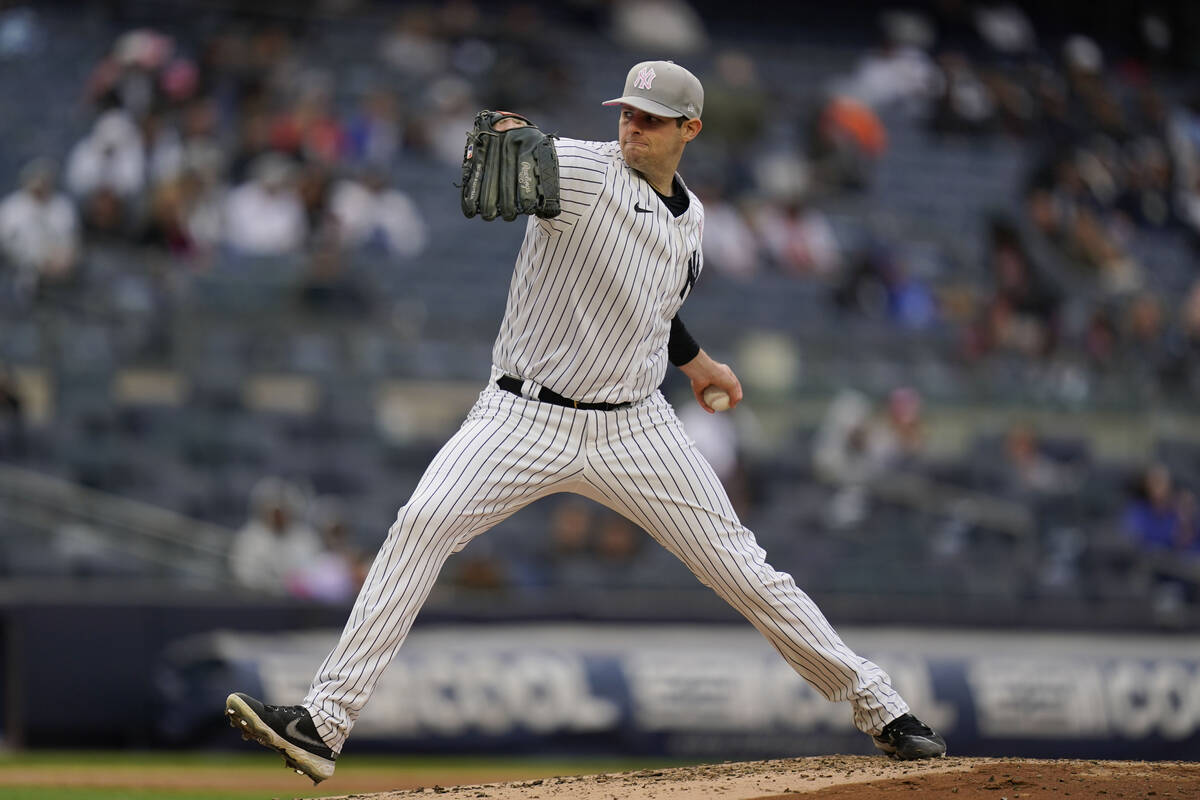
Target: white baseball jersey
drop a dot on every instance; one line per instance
(589, 314)
(594, 289)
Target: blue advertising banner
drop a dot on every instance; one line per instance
(723, 692)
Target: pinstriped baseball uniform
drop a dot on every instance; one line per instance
(588, 316)
(595, 288)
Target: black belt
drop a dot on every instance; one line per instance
(510, 384)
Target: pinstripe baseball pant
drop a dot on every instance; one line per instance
(638, 461)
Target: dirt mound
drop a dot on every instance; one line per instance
(845, 777)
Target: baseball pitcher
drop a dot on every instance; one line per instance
(612, 248)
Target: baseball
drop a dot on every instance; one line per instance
(716, 398)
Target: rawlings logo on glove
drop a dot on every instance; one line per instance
(510, 172)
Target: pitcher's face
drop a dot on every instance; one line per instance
(652, 144)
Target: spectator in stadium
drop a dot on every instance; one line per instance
(611, 558)
(1022, 315)
(39, 229)
(665, 26)
(1101, 338)
(1151, 516)
(265, 216)
(128, 76)
(906, 424)
(1162, 519)
(439, 132)
(965, 104)
(1144, 196)
(335, 574)
(856, 445)
(880, 286)
(798, 237)
(106, 172)
(193, 143)
(899, 73)
(736, 105)
(414, 47)
(1145, 326)
(306, 129)
(731, 245)
(1144, 338)
(845, 140)
(1047, 216)
(1116, 271)
(186, 212)
(275, 545)
(1030, 472)
(372, 214)
(374, 133)
(112, 156)
(1071, 202)
(481, 570)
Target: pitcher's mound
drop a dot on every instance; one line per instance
(852, 778)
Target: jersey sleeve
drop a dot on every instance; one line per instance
(582, 166)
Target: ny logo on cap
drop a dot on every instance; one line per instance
(645, 78)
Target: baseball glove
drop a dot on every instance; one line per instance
(506, 173)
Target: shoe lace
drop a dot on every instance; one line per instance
(287, 712)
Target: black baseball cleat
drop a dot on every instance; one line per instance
(907, 738)
(288, 730)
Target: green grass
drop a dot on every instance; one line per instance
(132, 775)
(84, 793)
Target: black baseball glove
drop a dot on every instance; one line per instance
(506, 173)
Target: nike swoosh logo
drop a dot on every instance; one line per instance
(638, 208)
(293, 732)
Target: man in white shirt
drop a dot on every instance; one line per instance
(39, 228)
(264, 216)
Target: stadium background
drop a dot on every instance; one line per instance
(952, 253)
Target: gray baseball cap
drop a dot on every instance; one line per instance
(662, 88)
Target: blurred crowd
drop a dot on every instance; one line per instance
(1115, 148)
(296, 545)
(242, 141)
(239, 140)
(227, 144)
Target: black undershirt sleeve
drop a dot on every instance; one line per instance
(681, 347)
